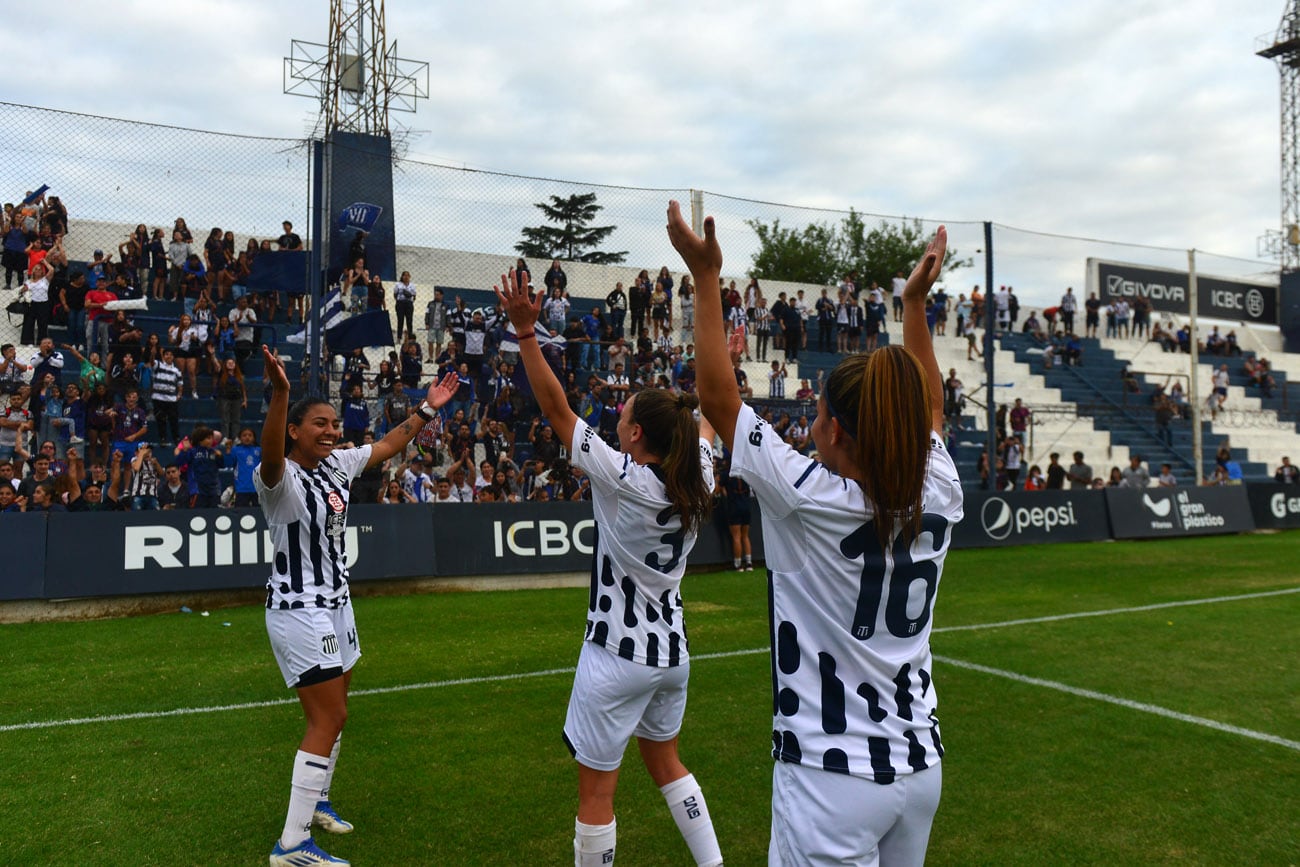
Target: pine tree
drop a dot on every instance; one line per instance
(572, 239)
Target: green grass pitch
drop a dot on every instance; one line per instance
(1164, 735)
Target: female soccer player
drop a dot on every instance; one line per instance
(855, 544)
(649, 501)
(303, 483)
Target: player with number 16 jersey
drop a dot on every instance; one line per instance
(855, 544)
(852, 689)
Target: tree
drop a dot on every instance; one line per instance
(822, 254)
(800, 256)
(573, 237)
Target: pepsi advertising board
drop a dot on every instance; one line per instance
(1156, 512)
(1031, 518)
(1166, 289)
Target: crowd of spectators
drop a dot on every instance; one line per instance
(105, 409)
(115, 414)
(490, 444)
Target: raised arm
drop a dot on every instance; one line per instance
(115, 478)
(276, 421)
(400, 437)
(916, 333)
(523, 313)
(706, 430)
(715, 383)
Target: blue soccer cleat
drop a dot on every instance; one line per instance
(305, 854)
(327, 820)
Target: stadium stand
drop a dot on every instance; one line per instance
(1104, 406)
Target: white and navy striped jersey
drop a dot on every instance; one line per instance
(307, 515)
(166, 382)
(635, 608)
(776, 383)
(850, 623)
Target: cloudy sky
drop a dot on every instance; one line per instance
(1141, 121)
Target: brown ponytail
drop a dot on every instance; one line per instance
(672, 434)
(882, 400)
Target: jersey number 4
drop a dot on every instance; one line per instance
(876, 573)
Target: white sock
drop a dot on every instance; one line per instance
(308, 779)
(593, 845)
(735, 562)
(691, 813)
(329, 772)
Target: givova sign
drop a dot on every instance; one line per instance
(1166, 289)
(1155, 512)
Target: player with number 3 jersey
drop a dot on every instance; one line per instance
(855, 543)
(649, 500)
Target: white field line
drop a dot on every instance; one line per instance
(1155, 607)
(500, 678)
(1123, 702)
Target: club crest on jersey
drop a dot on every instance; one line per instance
(336, 502)
(340, 477)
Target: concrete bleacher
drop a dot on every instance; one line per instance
(1263, 429)
(1129, 417)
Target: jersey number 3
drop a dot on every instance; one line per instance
(863, 542)
(674, 539)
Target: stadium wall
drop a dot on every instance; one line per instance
(124, 554)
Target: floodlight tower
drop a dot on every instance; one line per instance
(1284, 48)
(357, 77)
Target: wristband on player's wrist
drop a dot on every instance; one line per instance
(425, 411)
(527, 335)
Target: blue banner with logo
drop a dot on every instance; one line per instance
(359, 215)
(126, 553)
(1031, 518)
(1274, 506)
(1155, 512)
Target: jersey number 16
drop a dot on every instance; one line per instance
(863, 542)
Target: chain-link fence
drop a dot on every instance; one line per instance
(459, 229)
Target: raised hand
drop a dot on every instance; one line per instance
(274, 370)
(698, 253)
(522, 310)
(736, 343)
(928, 269)
(441, 392)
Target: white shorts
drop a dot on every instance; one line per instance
(312, 645)
(615, 699)
(819, 817)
